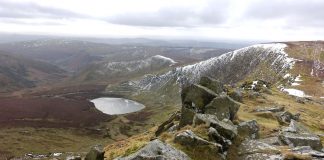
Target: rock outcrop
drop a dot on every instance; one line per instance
(194, 99)
(257, 150)
(168, 124)
(212, 84)
(96, 153)
(211, 112)
(285, 117)
(249, 129)
(226, 128)
(188, 138)
(223, 107)
(297, 135)
(157, 150)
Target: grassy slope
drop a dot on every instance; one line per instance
(308, 52)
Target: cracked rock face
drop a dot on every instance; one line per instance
(303, 139)
(157, 150)
(254, 146)
(249, 129)
(223, 107)
(225, 128)
(212, 84)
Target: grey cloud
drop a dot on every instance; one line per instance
(297, 13)
(33, 10)
(212, 14)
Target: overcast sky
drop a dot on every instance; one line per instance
(271, 20)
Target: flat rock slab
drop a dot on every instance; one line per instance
(224, 128)
(223, 107)
(307, 150)
(249, 129)
(196, 96)
(262, 156)
(271, 141)
(303, 139)
(249, 147)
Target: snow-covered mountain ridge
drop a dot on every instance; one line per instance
(265, 61)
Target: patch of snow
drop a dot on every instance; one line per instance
(253, 84)
(295, 92)
(322, 97)
(57, 154)
(295, 84)
(287, 76)
(297, 79)
(214, 67)
(165, 58)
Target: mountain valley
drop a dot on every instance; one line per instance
(53, 113)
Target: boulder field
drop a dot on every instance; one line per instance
(211, 105)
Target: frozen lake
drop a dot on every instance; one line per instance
(115, 106)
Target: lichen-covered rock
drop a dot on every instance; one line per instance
(301, 139)
(248, 129)
(223, 107)
(262, 156)
(96, 153)
(196, 97)
(307, 150)
(188, 138)
(187, 116)
(216, 137)
(296, 127)
(298, 135)
(168, 124)
(225, 127)
(157, 150)
(271, 141)
(285, 117)
(212, 84)
(249, 147)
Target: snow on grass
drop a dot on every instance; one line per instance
(322, 97)
(295, 84)
(287, 76)
(165, 58)
(298, 78)
(295, 92)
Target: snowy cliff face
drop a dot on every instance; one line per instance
(264, 61)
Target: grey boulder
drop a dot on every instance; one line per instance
(223, 107)
(96, 153)
(157, 150)
(225, 127)
(248, 129)
(212, 84)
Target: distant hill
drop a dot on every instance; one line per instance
(17, 72)
(76, 55)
